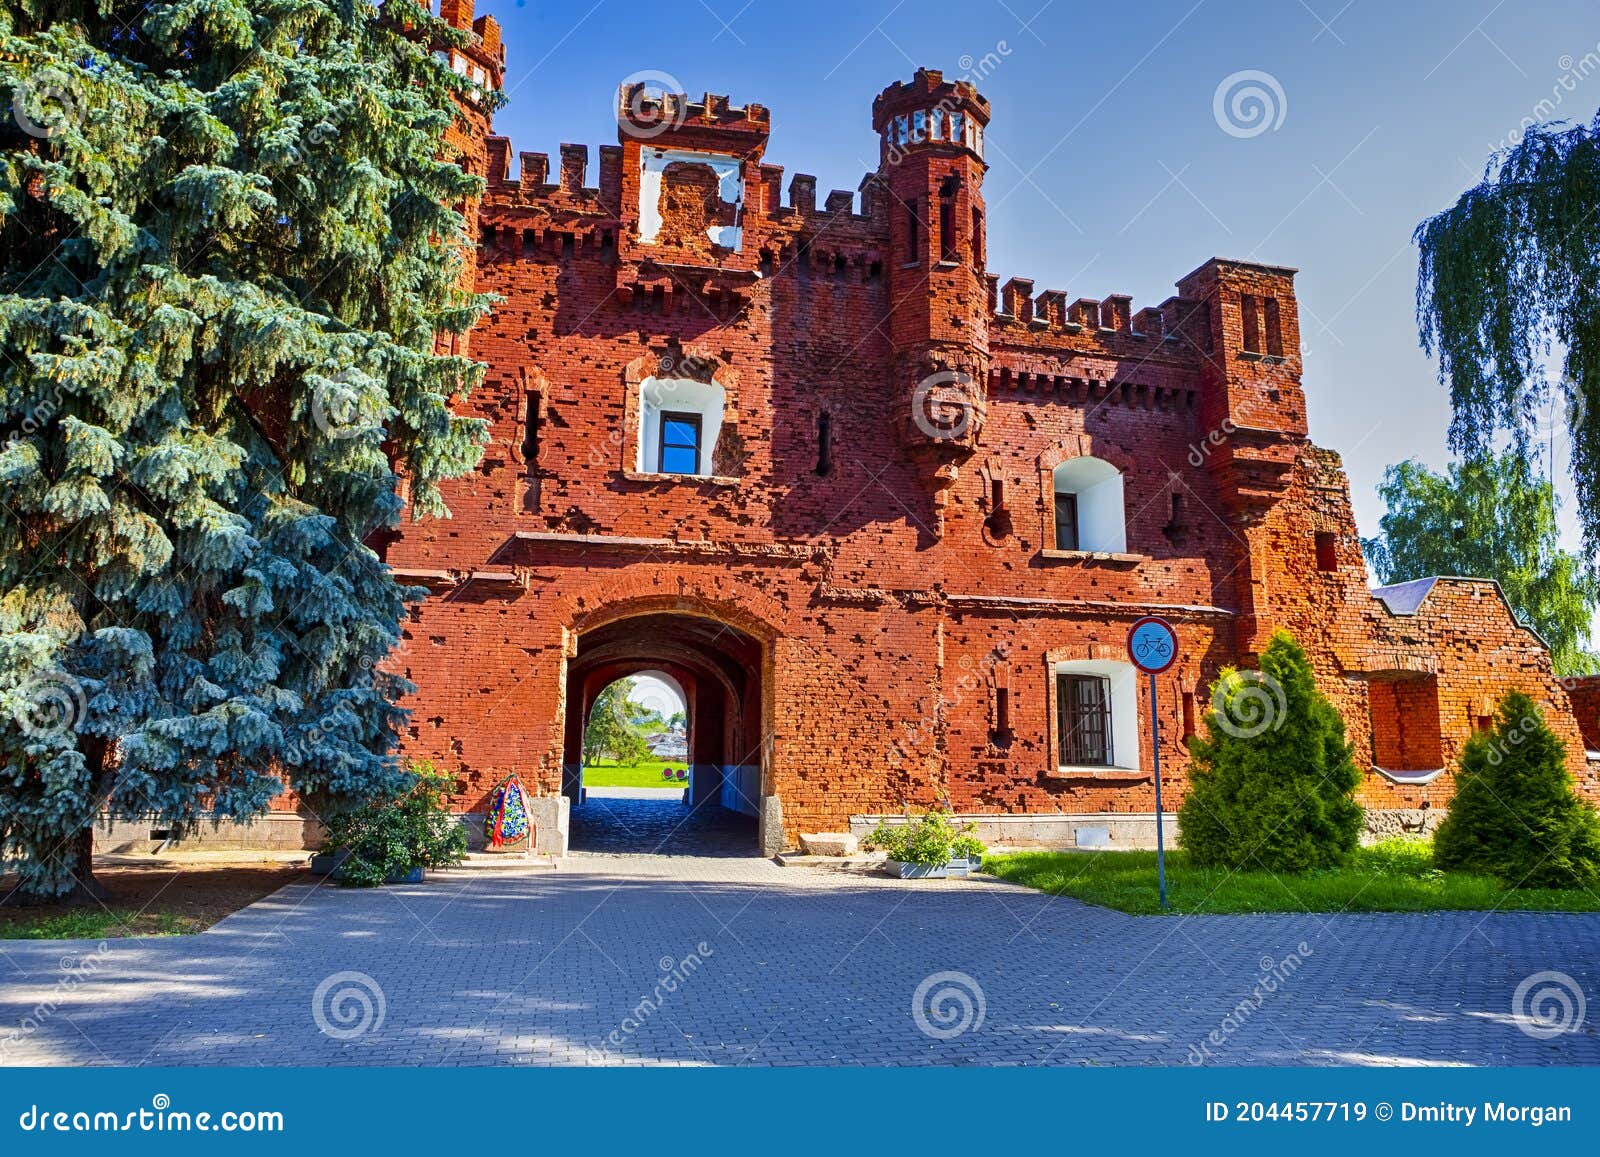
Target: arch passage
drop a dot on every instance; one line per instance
(719, 669)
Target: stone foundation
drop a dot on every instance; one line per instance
(275, 831)
(1110, 831)
(290, 831)
(552, 818)
(1133, 831)
(1385, 822)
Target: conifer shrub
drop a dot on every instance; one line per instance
(1515, 814)
(1272, 781)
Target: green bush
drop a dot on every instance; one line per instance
(1515, 815)
(1271, 784)
(930, 839)
(390, 837)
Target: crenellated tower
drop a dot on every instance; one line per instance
(482, 61)
(1254, 406)
(930, 175)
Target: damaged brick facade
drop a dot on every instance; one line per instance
(864, 584)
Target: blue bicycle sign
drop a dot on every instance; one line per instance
(1152, 644)
(1153, 647)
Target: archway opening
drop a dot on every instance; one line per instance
(641, 780)
(636, 738)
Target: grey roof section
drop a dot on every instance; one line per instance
(1404, 598)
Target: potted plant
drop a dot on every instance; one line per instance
(931, 846)
(395, 841)
(327, 861)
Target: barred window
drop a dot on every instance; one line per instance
(1083, 715)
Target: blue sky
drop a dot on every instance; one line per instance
(1109, 170)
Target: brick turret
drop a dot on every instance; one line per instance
(481, 59)
(931, 172)
(1252, 402)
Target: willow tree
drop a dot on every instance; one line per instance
(227, 245)
(1490, 517)
(1508, 298)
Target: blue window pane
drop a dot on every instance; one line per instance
(679, 433)
(679, 460)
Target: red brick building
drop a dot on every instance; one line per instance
(884, 516)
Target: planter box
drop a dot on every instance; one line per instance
(956, 867)
(327, 863)
(335, 868)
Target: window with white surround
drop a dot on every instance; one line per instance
(679, 422)
(1089, 512)
(1097, 715)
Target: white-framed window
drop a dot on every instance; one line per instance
(1097, 714)
(1089, 512)
(679, 422)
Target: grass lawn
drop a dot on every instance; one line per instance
(1394, 876)
(148, 902)
(647, 773)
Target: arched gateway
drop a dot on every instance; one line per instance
(719, 669)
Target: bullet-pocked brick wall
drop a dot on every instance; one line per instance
(867, 591)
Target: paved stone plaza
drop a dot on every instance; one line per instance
(690, 960)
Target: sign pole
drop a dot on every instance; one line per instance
(1153, 647)
(1155, 755)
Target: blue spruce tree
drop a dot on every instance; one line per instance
(229, 238)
